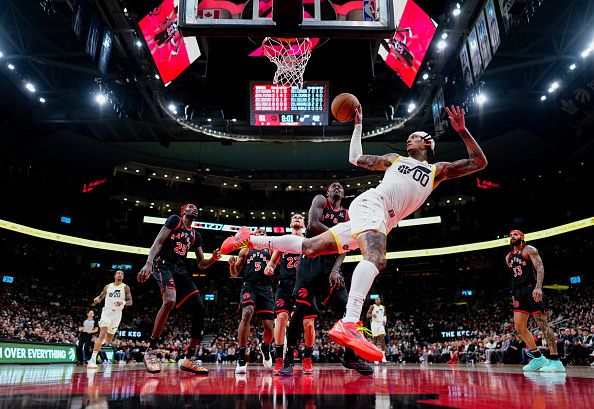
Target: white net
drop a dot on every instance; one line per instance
(290, 56)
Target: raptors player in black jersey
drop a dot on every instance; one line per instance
(527, 273)
(320, 279)
(284, 300)
(256, 297)
(166, 262)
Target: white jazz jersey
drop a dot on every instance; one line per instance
(111, 315)
(379, 321)
(405, 187)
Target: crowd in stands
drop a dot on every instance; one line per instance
(36, 309)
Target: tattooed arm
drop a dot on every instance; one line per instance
(356, 157)
(533, 255)
(476, 158)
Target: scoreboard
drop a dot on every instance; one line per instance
(282, 105)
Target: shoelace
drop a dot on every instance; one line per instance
(361, 328)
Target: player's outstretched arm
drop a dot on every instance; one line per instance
(236, 263)
(204, 264)
(100, 297)
(147, 270)
(356, 157)
(476, 158)
(274, 259)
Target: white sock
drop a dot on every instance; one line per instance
(363, 277)
(94, 356)
(289, 243)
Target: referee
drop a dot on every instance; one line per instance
(84, 340)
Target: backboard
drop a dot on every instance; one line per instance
(375, 19)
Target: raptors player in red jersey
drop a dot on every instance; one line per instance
(284, 299)
(256, 297)
(527, 271)
(166, 263)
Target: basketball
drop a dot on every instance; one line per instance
(343, 107)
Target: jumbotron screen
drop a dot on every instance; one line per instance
(281, 105)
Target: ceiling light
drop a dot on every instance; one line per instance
(584, 54)
(311, 187)
(100, 99)
(234, 211)
(152, 203)
(125, 168)
(572, 67)
(138, 43)
(348, 185)
(234, 120)
(554, 85)
(154, 174)
(166, 205)
(481, 99)
(177, 177)
(125, 10)
(171, 107)
(441, 44)
(209, 120)
(211, 210)
(125, 199)
(1, 54)
(188, 179)
(543, 97)
(456, 12)
(275, 186)
(300, 186)
(165, 175)
(235, 185)
(448, 201)
(444, 36)
(42, 100)
(157, 76)
(411, 107)
(10, 67)
(137, 171)
(30, 87)
(263, 213)
(425, 76)
(138, 201)
(224, 183)
(459, 198)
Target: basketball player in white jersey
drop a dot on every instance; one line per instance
(377, 314)
(406, 184)
(117, 295)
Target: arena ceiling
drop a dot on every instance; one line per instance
(36, 37)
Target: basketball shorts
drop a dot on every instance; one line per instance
(377, 329)
(366, 212)
(262, 298)
(175, 277)
(524, 302)
(284, 299)
(110, 318)
(313, 284)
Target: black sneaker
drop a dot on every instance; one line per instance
(287, 370)
(359, 365)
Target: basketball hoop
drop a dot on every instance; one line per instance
(290, 56)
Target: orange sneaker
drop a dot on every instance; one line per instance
(307, 366)
(194, 366)
(347, 335)
(278, 365)
(240, 240)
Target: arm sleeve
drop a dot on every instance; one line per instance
(172, 222)
(356, 150)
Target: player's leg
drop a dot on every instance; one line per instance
(309, 336)
(554, 364)
(337, 299)
(98, 343)
(248, 302)
(290, 243)
(521, 325)
(373, 248)
(280, 328)
(191, 300)
(265, 311)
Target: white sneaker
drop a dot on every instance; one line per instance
(241, 369)
(92, 365)
(266, 362)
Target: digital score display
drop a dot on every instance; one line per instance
(281, 105)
